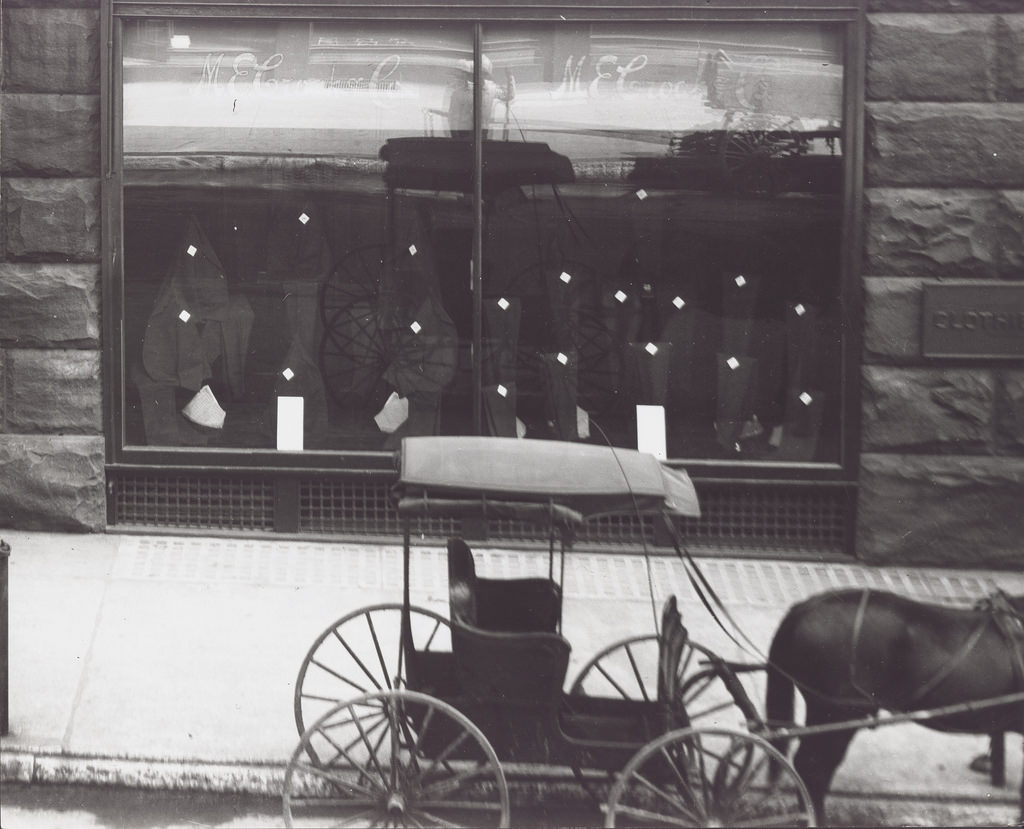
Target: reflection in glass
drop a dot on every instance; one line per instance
(269, 251)
(693, 262)
(662, 210)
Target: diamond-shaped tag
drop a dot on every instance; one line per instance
(504, 304)
(799, 309)
(641, 194)
(679, 302)
(191, 250)
(741, 280)
(416, 327)
(566, 277)
(806, 399)
(502, 391)
(620, 296)
(412, 250)
(651, 349)
(184, 316)
(303, 218)
(288, 374)
(733, 363)
(562, 358)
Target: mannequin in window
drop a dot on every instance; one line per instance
(197, 332)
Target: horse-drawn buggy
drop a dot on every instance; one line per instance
(410, 717)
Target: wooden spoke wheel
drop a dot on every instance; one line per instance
(353, 350)
(361, 653)
(709, 777)
(356, 279)
(629, 670)
(353, 357)
(394, 758)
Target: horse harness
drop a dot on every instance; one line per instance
(996, 609)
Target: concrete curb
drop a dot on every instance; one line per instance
(266, 780)
(171, 775)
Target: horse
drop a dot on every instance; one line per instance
(853, 652)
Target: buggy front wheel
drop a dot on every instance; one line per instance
(709, 777)
(394, 758)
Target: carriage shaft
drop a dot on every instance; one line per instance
(878, 720)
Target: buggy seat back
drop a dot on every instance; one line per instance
(502, 605)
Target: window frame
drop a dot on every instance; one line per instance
(848, 15)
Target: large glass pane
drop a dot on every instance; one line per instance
(298, 232)
(687, 258)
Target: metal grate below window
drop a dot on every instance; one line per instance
(359, 508)
(737, 518)
(192, 501)
(770, 518)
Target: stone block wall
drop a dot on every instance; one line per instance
(51, 408)
(942, 469)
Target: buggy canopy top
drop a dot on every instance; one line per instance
(537, 480)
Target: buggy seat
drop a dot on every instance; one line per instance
(501, 605)
(510, 684)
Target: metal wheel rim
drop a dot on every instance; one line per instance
(635, 677)
(328, 664)
(708, 777)
(396, 758)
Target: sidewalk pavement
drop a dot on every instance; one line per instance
(170, 661)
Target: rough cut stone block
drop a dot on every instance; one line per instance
(3, 390)
(52, 50)
(1008, 221)
(916, 57)
(941, 510)
(51, 4)
(50, 482)
(1010, 411)
(53, 218)
(947, 411)
(959, 6)
(933, 232)
(52, 135)
(947, 145)
(1012, 78)
(53, 391)
(892, 319)
(49, 305)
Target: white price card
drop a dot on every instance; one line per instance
(650, 431)
(289, 423)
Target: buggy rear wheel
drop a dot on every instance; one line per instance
(628, 670)
(709, 777)
(362, 652)
(394, 758)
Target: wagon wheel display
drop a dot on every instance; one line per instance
(360, 653)
(394, 758)
(628, 669)
(354, 349)
(357, 278)
(709, 777)
(353, 357)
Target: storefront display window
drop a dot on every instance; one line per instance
(658, 236)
